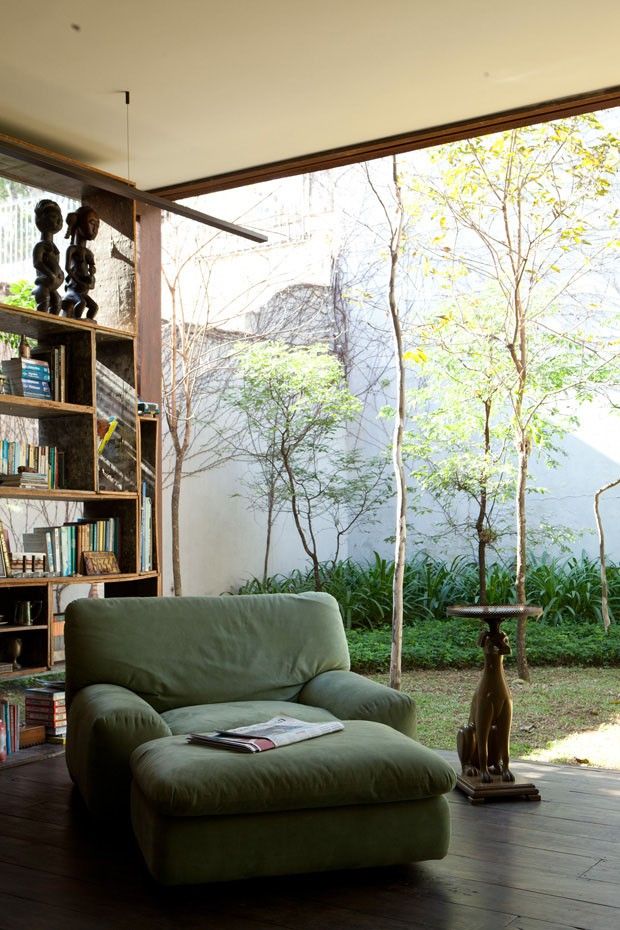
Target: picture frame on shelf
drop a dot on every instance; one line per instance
(100, 563)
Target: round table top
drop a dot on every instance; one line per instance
(493, 611)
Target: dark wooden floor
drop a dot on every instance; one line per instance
(526, 866)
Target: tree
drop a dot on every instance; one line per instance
(198, 362)
(526, 212)
(296, 407)
(601, 549)
(459, 436)
(393, 210)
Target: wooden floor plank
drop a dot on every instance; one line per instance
(529, 923)
(527, 839)
(549, 866)
(607, 870)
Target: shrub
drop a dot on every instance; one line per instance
(567, 589)
(453, 644)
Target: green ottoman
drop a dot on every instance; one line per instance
(366, 796)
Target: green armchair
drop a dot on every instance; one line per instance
(141, 673)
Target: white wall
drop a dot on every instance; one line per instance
(223, 540)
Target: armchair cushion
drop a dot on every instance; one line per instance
(349, 696)
(204, 717)
(366, 763)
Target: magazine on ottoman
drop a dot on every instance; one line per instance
(279, 731)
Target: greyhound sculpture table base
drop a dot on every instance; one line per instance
(484, 743)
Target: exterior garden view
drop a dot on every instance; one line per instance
(434, 334)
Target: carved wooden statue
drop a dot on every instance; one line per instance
(46, 258)
(484, 744)
(82, 226)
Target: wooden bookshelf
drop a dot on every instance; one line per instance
(104, 366)
(12, 406)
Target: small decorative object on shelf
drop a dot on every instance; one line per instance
(14, 651)
(82, 227)
(100, 563)
(27, 612)
(484, 743)
(147, 408)
(24, 348)
(105, 430)
(46, 258)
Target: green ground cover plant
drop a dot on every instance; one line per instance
(438, 644)
(567, 589)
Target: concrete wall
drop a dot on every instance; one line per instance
(224, 539)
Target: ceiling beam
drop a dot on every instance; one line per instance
(559, 108)
(48, 164)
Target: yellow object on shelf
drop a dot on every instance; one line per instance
(105, 429)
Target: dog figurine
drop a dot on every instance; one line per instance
(484, 744)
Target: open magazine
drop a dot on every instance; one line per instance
(279, 731)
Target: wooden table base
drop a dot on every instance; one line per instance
(478, 792)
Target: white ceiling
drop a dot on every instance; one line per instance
(218, 85)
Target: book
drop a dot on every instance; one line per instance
(55, 356)
(10, 714)
(5, 554)
(33, 369)
(30, 387)
(58, 638)
(258, 737)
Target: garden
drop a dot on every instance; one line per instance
(423, 403)
(570, 710)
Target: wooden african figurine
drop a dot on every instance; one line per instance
(484, 744)
(82, 226)
(46, 258)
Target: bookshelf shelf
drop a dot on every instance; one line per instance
(13, 406)
(30, 581)
(25, 670)
(36, 325)
(65, 494)
(23, 629)
(97, 368)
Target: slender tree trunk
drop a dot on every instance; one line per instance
(482, 511)
(522, 666)
(601, 549)
(270, 507)
(400, 548)
(175, 505)
(524, 448)
(310, 552)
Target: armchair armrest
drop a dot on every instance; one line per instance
(351, 697)
(105, 724)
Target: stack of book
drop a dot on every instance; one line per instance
(46, 706)
(10, 714)
(28, 377)
(44, 460)
(34, 480)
